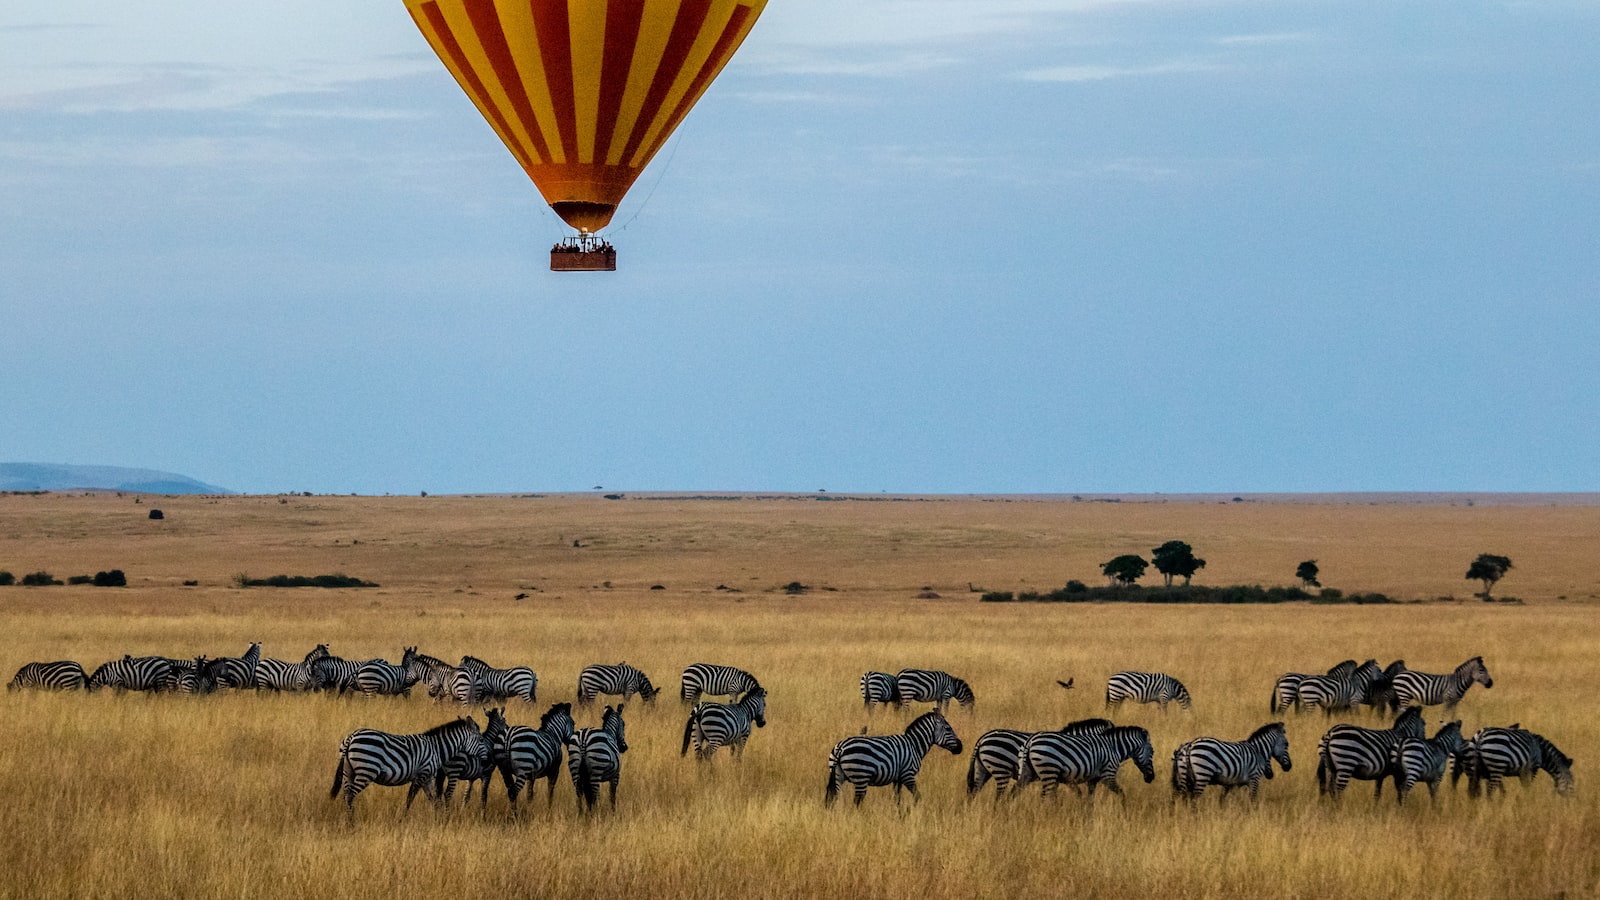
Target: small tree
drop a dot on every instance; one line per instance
(1125, 569)
(1176, 558)
(1488, 568)
(1307, 573)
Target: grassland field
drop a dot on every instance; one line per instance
(132, 795)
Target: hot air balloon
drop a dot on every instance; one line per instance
(584, 92)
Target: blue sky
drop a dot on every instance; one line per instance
(901, 245)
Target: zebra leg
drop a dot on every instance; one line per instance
(614, 779)
(1433, 792)
(861, 792)
(897, 793)
(916, 796)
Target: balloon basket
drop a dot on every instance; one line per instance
(583, 253)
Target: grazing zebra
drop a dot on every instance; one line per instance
(235, 671)
(595, 755)
(1421, 689)
(1350, 751)
(503, 684)
(1494, 753)
(281, 675)
(716, 681)
(526, 754)
(143, 673)
(1145, 687)
(62, 675)
(713, 725)
(618, 679)
(877, 689)
(189, 676)
(1207, 761)
(1338, 693)
(385, 678)
(377, 757)
(1285, 692)
(1053, 758)
(928, 686)
(1415, 760)
(893, 759)
(997, 754)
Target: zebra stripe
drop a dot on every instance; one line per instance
(336, 673)
(525, 754)
(189, 676)
(877, 688)
(595, 755)
(1231, 764)
(1145, 687)
(1285, 692)
(281, 675)
(144, 673)
(460, 685)
(1494, 753)
(62, 675)
(929, 686)
(716, 681)
(1421, 689)
(893, 759)
(1053, 759)
(997, 754)
(713, 725)
(235, 671)
(370, 757)
(1339, 693)
(503, 684)
(1350, 751)
(473, 762)
(379, 677)
(1415, 760)
(618, 679)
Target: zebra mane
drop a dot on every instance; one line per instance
(1264, 730)
(1478, 660)
(1551, 757)
(1121, 731)
(474, 661)
(1394, 668)
(550, 713)
(928, 716)
(1087, 726)
(1344, 668)
(463, 722)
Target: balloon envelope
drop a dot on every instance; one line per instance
(584, 92)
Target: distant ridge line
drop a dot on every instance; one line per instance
(19, 476)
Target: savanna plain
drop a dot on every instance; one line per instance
(228, 795)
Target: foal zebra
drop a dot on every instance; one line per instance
(877, 689)
(526, 754)
(717, 681)
(281, 675)
(997, 754)
(144, 673)
(893, 759)
(1053, 759)
(1421, 689)
(618, 679)
(930, 686)
(1350, 751)
(1207, 761)
(595, 755)
(1285, 692)
(235, 671)
(62, 675)
(1494, 753)
(713, 725)
(1145, 687)
(1415, 760)
(369, 757)
(503, 684)
(1338, 693)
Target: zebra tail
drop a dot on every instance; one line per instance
(972, 773)
(832, 793)
(1323, 769)
(588, 787)
(338, 777)
(688, 732)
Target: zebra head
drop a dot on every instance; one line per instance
(1448, 738)
(318, 652)
(962, 694)
(1409, 723)
(1558, 764)
(1180, 694)
(1394, 668)
(1275, 741)
(1133, 743)
(936, 730)
(495, 731)
(1477, 671)
(557, 721)
(611, 723)
(756, 703)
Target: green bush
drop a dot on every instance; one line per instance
(39, 579)
(113, 578)
(997, 597)
(7, 579)
(297, 581)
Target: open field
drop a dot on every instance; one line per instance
(228, 795)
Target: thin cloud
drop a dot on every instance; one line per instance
(1107, 73)
(1258, 40)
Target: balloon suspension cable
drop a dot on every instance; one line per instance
(677, 141)
(583, 252)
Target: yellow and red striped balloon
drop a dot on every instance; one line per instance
(584, 92)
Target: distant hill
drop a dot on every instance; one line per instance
(49, 477)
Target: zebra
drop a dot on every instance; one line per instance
(1053, 759)
(877, 689)
(717, 681)
(281, 675)
(1145, 687)
(893, 759)
(525, 754)
(62, 675)
(473, 762)
(369, 757)
(928, 686)
(1285, 691)
(713, 725)
(335, 673)
(380, 677)
(461, 685)
(1494, 753)
(618, 679)
(595, 755)
(1338, 693)
(235, 671)
(143, 673)
(189, 676)
(1350, 751)
(503, 684)
(1421, 689)
(997, 753)
(1415, 760)
(1207, 761)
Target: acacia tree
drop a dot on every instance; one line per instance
(1125, 569)
(1489, 569)
(1307, 573)
(1176, 558)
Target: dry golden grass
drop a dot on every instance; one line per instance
(228, 795)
